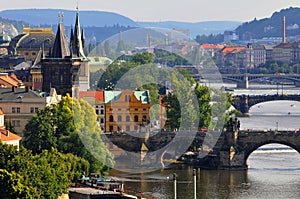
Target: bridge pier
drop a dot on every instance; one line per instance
(244, 105)
(244, 83)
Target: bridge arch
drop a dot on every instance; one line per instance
(253, 147)
(283, 103)
(244, 102)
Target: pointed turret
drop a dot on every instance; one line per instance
(82, 38)
(71, 36)
(78, 46)
(60, 48)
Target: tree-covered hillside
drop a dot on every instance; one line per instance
(271, 27)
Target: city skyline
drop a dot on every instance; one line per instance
(155, 10)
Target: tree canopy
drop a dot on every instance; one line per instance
(45, 175)
(70, 127)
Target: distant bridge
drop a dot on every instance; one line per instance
(244, 102)
(230, 149)
(243, 80)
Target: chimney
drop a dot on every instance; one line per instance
(13, 88)
(283, 30)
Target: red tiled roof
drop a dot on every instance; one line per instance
(6, 135)
(212, 46)
(9, 81)
(98, 95)
(231, 49)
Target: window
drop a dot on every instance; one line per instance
(144, 109)
(144, 118)
(127, 128)
(111, 128)
(18, 110)
(13, 110)
(136, 109)
(102, 112)
(127, 118)
(127, 98)
(33, 53)
(97, 111)
(111, 118)
(136, 118)
(119, 118)
(34, 109)
(135, 128)
(102, 121)
(15, 123)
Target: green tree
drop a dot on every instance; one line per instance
(45, 175)
(74, 128)
(203, 94)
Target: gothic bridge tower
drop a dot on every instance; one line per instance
(66, 68)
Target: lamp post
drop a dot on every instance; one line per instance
(175, 185)
(195, 183)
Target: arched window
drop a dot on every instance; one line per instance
(144, 118)
(111, 118)
(136, 118)
(127, 118)
(119, 118)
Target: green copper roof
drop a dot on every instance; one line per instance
(142, 95)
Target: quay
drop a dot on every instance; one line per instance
(91, 193)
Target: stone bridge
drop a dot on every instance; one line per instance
(244, 102)
(238, 146)
(243, 80)
(229, 150)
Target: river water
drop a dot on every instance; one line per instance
(274, 171)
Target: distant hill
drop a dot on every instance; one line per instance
(198, 28)
(50, 16)
(271, 27)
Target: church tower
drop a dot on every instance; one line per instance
(66, 68)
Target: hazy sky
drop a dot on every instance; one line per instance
(162, 10)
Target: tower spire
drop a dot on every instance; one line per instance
(77, 41)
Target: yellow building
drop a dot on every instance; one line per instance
(126, 110)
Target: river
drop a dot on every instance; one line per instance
(274, 171)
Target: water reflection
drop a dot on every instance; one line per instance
(210, 184)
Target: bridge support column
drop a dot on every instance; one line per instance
(244, 107)
(244, 83)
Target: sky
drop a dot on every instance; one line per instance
(167, 10)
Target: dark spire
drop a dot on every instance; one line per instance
(82, 38)
(78, 46)
(60, 47)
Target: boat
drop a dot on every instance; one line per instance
(106, 183)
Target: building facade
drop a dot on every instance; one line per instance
(30, 41)
(6, 136)
(126, 110)
(95, 99)
(20, 104)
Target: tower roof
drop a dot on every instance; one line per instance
(60, 48)
(77, 42)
